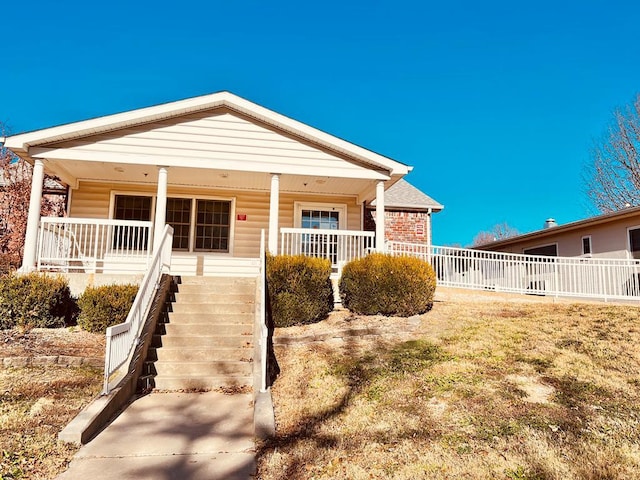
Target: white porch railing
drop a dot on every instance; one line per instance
(122, 339)
(93, 245)
(339, 246)
(530, 274)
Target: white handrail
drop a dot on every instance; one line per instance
(264, 331)
(123, 338)
(604, 278)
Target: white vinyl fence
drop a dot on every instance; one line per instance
(122, 339)
(528, 274)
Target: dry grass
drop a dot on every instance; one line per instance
(70, 341)
(484, 390)
(35, 404)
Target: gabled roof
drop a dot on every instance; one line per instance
(21, 143)
(567, 227)
(404, 195)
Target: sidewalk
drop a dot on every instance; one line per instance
(172, 436)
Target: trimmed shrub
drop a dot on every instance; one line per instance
(300, 289)
(35, 300)
(387, 285)
(102, 307)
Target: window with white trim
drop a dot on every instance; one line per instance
(179, 217)
(213, 225)
(634, 242)
(199, 224)
(131, 207)
(546, 250)
(586, 245)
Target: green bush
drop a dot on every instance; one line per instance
(300, 289)
(35, 300)
(102, 307)
(387, 285)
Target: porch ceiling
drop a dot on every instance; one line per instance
(71, 172)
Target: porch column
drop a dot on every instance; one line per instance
(380, 217)
(33, 219)
(161, 207)
(429, 235)
(274, 208)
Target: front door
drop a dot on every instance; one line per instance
(320, 244)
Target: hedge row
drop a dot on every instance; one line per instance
(36, 300)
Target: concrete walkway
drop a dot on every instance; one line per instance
(167, 436)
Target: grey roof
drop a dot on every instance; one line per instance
(404, 195)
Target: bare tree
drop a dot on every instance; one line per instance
(500, 231)
(613, 178)
(15, 190)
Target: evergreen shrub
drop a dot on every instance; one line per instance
(387, 285)
(35, 300)
(105, 306)
(300, 289)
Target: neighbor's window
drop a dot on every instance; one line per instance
(213, 225)
(586, 245)
(634, 242)
(547, 250)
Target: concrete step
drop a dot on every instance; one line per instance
(204, 369)
(165, 382)
(227, 282)
(208, 329)
(217, 308)
(201, 354)
(188, 341)
(229, 297)
(211, 318)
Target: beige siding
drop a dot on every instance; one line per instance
(211, 138)
(92, 200)
(608, 240)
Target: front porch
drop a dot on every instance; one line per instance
(124, 247)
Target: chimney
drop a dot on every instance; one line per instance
(549, 223)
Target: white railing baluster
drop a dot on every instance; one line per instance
(85, 245)
(339, 246)
(509, 272)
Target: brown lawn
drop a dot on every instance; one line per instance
(486, 387)
(37, 402)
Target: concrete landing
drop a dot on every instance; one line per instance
(167, 436)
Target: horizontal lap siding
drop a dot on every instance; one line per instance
(210, 137)
(91, 200)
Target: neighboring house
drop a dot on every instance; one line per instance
(218, 169)
(407, 214)
(613, 235)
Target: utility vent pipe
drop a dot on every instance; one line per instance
(550, 222)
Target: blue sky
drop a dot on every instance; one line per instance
(495, 104)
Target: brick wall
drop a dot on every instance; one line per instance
(408, 227)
